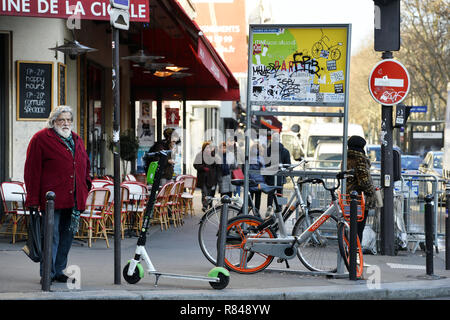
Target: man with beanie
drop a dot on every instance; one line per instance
(361, 182)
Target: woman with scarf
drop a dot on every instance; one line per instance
(361, 182)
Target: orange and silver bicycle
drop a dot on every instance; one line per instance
(318, 237)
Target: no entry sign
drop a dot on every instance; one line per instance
(389, 82)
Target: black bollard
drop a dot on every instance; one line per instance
(353, 235)
(48, 240)
(222, 232)
(429, 234)
(447, 227)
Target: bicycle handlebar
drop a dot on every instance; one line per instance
(341, 175)
(159, 153)
(289, 167)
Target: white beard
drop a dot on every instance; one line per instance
(64, 131)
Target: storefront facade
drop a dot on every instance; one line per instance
(84, 81)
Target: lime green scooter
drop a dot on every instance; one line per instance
(218, 277)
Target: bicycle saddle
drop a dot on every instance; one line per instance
(240, 182)
(269, 189)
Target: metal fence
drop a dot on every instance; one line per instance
(409, 204)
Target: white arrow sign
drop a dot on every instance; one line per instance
(386, 82)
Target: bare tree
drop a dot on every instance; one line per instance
(425, 53)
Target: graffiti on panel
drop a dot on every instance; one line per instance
(305, 65)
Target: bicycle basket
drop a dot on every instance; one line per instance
(344, 203)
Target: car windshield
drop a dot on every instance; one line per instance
(411, 163)
(314, 141)
(330, 160)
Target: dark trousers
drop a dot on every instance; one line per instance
(62, 242)
(256, 197)
(207, 192)
(271, 196)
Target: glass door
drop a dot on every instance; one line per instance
(95, 118)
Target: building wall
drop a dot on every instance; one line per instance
(30, 39)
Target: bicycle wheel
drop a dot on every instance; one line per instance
(319, 252)
(237, 257)
(208, 230)
(344, 248)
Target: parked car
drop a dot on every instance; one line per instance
(328, 155)
(374, 154)
(432, 164)
(410, 163)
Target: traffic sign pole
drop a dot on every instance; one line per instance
(389, 85)
(119, 20)
(116, 153)
(387, 172)
(387, 181)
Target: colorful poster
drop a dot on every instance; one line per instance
(224, 24)
(298, 65)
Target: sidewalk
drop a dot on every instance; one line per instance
(176, 251)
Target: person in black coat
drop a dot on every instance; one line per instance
(208, 169)
(166, 144)
(284, 157)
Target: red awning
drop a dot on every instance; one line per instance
(175, 36)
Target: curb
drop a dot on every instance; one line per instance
(414, 290)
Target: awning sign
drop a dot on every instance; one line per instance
(78, 9)
(208, 62)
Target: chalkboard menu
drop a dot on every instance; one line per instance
(62, 89)
(34, 90)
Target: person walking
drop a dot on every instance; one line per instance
(57, 161)
(168, 143)
(229, 163)
(362, 181)
(283, 157)
(207, 167)
(256, 162)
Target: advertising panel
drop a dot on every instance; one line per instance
(224, 24)
(299, 65)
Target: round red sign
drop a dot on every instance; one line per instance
(389, 82)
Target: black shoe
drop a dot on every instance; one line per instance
(62, 278)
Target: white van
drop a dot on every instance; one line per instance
(328, 155)
(328, 132)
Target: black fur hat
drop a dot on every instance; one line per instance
(356, 143)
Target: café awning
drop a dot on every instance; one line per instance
(172, 33)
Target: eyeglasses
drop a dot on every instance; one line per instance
(62, 120)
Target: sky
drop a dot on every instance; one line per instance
(360, 13)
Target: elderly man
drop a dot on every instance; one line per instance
(57, 161)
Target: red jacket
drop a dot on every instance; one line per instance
(50, 166)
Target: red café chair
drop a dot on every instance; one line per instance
(13, 196)
(160, 210)
(92, 220)
(187, 197)
(174, 203)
